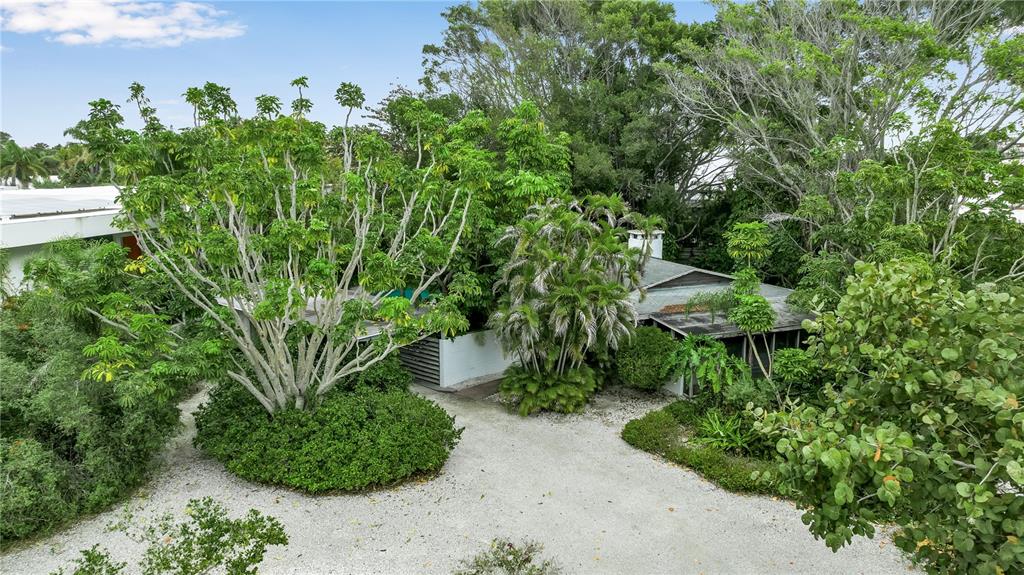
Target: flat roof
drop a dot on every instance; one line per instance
(41, 203)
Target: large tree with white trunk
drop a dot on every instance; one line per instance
(314, 266)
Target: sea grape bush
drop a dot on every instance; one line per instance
(927, 426)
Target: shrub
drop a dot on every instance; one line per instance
(507, 558)
(387, 374)
(654, 432)
(730, 472)
(352, 440)
(748, 390)
(207, 540)
(647, 360)
(533, 391)
(660, 432)
(72, 444)
(35, 482)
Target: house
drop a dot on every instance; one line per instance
(32, 218)
(667, 288)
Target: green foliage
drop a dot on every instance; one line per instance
(797, 371)
(648, 359)
(927, 425)
(355, 440)
(709, 364)
(37, 485)
(386, 375)
(748, 243)
(20, 165)
(727, 433)
(591, 70)
(507, 558)
(661, 433)
(565, 296)
(85, 407)
(208, 540)
(293, 243)
(655, 432)
(533, 390)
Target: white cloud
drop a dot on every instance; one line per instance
(124, 22)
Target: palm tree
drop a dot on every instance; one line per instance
(566, 285)
(23, 165)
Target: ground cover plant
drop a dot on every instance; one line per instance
(374, 434)
(207, 541)
(85, 407)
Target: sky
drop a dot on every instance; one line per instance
(58, 55)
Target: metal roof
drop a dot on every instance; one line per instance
(38, 203)
(662, 305)
(658, 271)
(701, 323)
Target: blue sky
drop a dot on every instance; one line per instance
(57, 58)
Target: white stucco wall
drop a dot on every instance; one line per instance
(16, 258)
(470, 359)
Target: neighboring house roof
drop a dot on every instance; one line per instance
(39, 216)
(670, 286)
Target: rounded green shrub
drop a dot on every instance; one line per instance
(654, 432)
(533, 391)
(353, 440)
(647, 360)
(34, 484)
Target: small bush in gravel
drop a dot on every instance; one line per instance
(646, 361)
(208, 541)
(507, 558)
(353, 440)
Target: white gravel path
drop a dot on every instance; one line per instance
(569, 482)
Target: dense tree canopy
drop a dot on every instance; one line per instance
(591, 69)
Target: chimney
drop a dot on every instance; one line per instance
(637, 239)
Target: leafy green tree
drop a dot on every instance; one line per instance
(565, 295)
(749, 245)
(844, 117)
(298, 256)
(924, 426)
(591, 69)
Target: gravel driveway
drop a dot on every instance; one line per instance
(569, 482)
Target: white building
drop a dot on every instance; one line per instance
(30, 219)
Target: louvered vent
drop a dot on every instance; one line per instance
(423, 359)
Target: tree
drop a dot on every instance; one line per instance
(22, 165)
(299, 258)
(748, 245)
(924, 424)
(590, 67)
(565, 294)
(814, 94)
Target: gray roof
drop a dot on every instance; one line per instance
(701, 323)
(653, 305)
(659, 271)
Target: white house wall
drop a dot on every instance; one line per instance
(470, 359)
